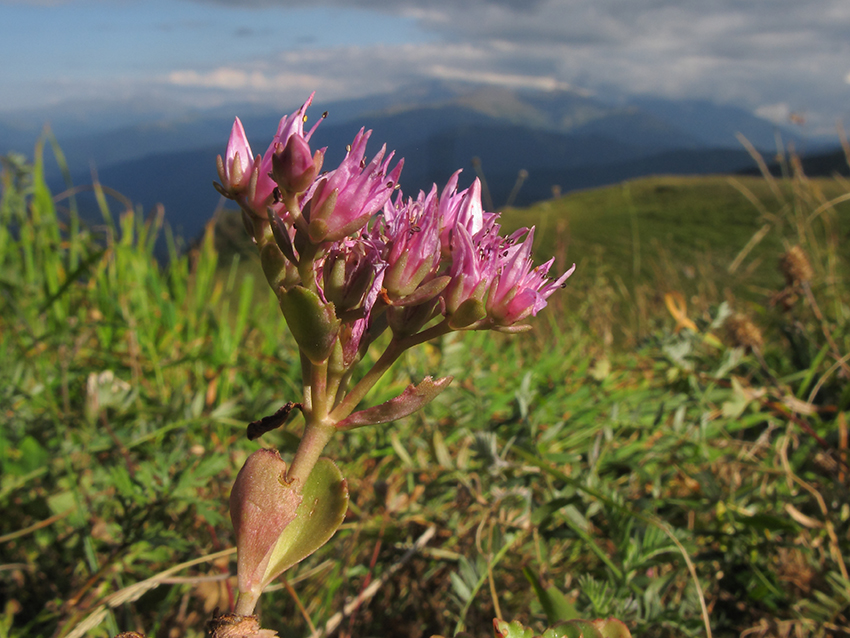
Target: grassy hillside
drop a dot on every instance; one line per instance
(697, 225)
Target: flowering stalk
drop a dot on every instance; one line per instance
(349, 261)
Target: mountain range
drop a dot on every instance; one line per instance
(560, 140)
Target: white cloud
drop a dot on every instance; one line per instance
(543, 83)
(730, 51)
(357, 71)
(779, 113)
(229, 78)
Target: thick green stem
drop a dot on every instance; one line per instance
(315, 438)
(319, 392)
(246, 602)
(317, 431)
(347, 405)
(306, 373)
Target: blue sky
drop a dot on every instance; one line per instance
(773, 57)
(78, 49)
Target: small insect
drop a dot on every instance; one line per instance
(258, 428)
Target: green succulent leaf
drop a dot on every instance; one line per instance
(468, 312)
(320, 513)
(312, 322)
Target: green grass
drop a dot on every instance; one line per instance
(568, 470)
(695, 223)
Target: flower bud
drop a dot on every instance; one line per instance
(293, 168)
(234, 170)
(348, 196)
(348, 274)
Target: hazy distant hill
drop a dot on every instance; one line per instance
(110, 133)
(827, 164)
(562, 138)
(717, 125)
(183, 180)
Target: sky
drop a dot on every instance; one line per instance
(780, 59)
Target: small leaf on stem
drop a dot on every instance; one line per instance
(405, 404)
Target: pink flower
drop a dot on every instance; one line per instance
(235, 171)
(346, 198)
(412, 234)
(462, 209)
(293, 168)
(519, 290)
(472, 269)
(289, 126)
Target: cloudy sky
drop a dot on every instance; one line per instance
(773, 57)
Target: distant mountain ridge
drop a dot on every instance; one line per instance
(565, 140)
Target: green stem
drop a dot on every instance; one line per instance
(306, 267)
(315, 438)
(319, 392)
(426, 335)
(317, 431)
(347, 405)
(390, 355)
(342, 386)
(291, 203)
(246, 602)
(306, 373)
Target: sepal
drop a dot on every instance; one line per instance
(424, 293)
(467, 313)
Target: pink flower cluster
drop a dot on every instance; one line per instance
(382, 260)
(349, 256)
